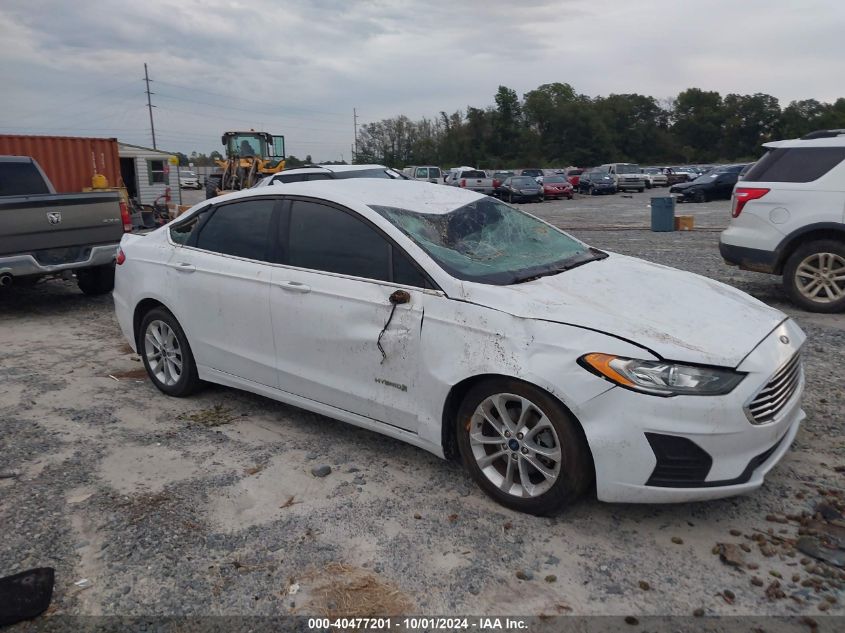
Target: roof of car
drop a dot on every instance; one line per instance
(825, 141)
(316, 169)
(413, 195)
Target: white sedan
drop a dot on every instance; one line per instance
(457, 323)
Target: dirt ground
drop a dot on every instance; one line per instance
(207, 505)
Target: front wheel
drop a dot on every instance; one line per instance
(699, 196)
(167, 356)
(814, 276)
(510, 197)
(522, 447)
(96, 280)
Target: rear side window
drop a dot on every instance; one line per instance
(795, 164)
(21, 179)
(422, 172)
(241, 229)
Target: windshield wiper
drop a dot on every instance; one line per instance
(578, 260)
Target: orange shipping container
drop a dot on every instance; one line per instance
(68, 161)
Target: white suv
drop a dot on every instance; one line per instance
(788, 218)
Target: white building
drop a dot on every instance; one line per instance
(146, 173)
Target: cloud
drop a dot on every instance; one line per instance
(299, 67)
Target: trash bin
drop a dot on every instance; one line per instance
(663, 214)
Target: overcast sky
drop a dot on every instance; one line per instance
(299, 67)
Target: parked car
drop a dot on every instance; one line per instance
(520, 189)
(596, 181)
(556, 187)
(533, 172)
(499, 177)
(627, 176)
(473, 179)
(189, 180)
(788, 218)
(330, 172)
(44, 233)
(453, 173)
(428, 173)
(659, 392)
(654, 177)
(675, 175)
(574, 176)
(715, 184)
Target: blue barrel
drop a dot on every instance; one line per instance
(663, 214)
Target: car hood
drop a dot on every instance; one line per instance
(675, 314)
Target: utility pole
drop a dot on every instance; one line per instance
(150, 105)
(355, 125)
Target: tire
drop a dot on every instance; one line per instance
(592, 190)
(699, 196)
(212, 183)
(510, 197)
(154, 335)
(566, 479)
(96, 280)
(641, 189)
(828, 258)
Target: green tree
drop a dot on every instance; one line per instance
(698, 122)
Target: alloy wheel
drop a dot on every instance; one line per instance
(820, 277)
(515, 445)
(163, 352)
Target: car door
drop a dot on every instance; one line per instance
(222, 281)
(347, 310)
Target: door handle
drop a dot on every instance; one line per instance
(184, 267)
(294, 286)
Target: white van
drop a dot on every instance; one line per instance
(627, 176)
(428, 173)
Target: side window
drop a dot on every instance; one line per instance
(404, 272)
(181, 233)
(285, 178)
(319, 177)
(422, 172)
(795, 164)
(331, 240)
(241, 229)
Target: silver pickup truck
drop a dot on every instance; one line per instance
(45, 233)
(474, 179)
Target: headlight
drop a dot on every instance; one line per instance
(662, 378)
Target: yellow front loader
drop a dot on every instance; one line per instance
(250, 156)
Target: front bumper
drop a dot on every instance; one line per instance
(733, 454)
(22, 265)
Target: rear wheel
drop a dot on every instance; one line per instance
(814, 276)
(522, 447)
(167, 356)
(96, 280)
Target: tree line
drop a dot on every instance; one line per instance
(553, 125)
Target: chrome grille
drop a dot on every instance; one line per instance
(771, 399)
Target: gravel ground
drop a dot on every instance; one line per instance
(208, 505)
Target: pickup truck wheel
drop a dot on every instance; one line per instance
(96, 280)
(522, 447)
(166, 353)
(814, 276)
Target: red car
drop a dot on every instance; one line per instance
(574, 176)
(556, 187)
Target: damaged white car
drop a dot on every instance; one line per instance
(457, 323)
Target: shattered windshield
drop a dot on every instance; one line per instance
(490, 242)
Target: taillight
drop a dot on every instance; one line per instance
(742, 195)
(496, 182)
(127, 219)
(121, 256)
(463, 182)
